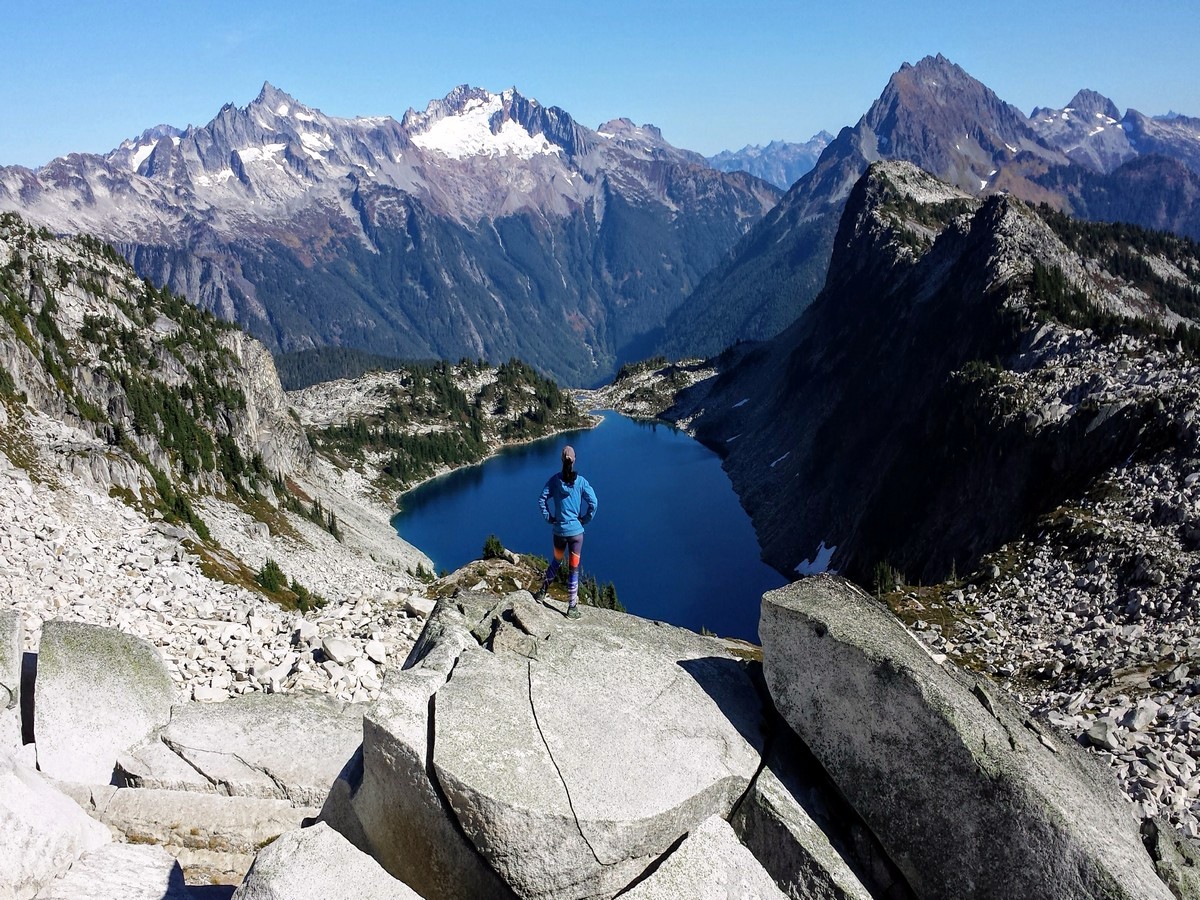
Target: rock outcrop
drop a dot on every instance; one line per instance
(967, 794)
(98, 692)
(42, 832)
(318, 862)
(208, 833)
(503, 735)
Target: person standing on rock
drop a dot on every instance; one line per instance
(568, 503)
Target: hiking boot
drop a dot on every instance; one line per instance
(573, 611)
(540, 596)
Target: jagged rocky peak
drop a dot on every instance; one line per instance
(1092, 103)
(938, 116)
(626, 129)
(279, 102)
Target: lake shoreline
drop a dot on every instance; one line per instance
(397, 507)
(671, 533)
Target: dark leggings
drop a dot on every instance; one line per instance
(570, 547)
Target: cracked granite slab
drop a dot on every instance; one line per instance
(574, 754)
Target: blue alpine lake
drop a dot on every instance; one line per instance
(670, 533)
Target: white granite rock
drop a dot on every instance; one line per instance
(516, 738)
(121, 872)
(98, 692)
(980, 802)
(42, 832)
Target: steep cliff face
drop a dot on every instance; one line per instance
(163, 397)
(946, 387)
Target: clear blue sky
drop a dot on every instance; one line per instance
(85, 75)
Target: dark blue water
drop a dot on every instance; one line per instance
(670, 533)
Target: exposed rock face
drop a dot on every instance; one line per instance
(121, 872)
(710, 864)
(179, 391)
(265, 425)
(318, 862)
(98, 693)
(969, 796)
(283, 746)
(497, 722)
(42, 832)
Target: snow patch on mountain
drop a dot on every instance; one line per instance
(471, 133)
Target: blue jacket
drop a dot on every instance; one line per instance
(568, 506)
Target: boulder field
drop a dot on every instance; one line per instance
(519, 754)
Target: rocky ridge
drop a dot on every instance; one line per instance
(983, 291)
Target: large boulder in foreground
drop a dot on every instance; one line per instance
(570, 755)
(387, 802)
(42, 832)
(968, 795)
(318, 862)
(284, 746)
(98, 692)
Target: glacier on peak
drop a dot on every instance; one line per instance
(473, 131)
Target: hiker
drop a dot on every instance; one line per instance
(568, 503)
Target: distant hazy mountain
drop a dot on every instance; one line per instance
(484, 225)
(1088, 130)
(935, 115)
(780, 162)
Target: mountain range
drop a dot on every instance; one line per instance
(486, 225)
(779, 162)
(1084, 159)
(489, 225)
